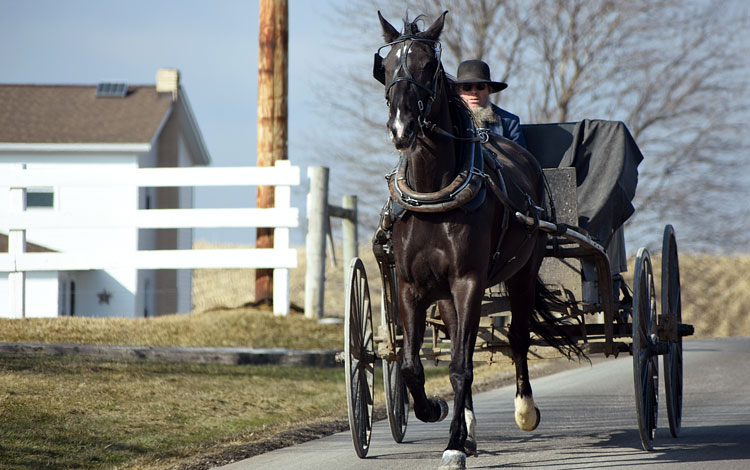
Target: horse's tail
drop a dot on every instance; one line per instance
(549, 327)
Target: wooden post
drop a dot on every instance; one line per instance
(272, 117)
(315, 242)
(17, 246)
(350, 238)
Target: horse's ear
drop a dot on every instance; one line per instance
(390, 33)
(433, 32)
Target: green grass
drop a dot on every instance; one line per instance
(68, 412)
(62, 412)
(73, 413)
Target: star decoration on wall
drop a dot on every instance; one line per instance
(104, 296)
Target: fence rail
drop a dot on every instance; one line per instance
(16, 221)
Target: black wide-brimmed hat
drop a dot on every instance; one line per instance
(476, 71)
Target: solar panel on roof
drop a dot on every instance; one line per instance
(112, 90)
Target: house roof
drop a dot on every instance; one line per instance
(74, 114)
(30, 247)
(67, 114)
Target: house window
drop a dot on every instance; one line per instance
(40, 197)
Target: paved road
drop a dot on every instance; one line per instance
(588, 421)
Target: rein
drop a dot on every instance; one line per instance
(470, 181)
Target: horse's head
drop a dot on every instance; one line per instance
(411, 74)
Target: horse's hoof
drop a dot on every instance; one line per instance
(528, 415)
(453, 460)
(470, 447)
(443, 409)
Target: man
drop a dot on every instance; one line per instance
(475, 86)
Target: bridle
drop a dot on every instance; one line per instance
(424, 110)
(405, 75)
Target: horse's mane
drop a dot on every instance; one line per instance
(454, 98)
(455, 102)
(411, 28)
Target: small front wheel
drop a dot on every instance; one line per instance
(645, 364)
(396, 393)
(359, 357)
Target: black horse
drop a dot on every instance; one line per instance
(457, 237)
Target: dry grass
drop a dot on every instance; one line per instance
(242, 327)
(715, 290)
(82, 413)
(229, 288)
(715, 293)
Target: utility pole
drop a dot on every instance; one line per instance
(272, 117)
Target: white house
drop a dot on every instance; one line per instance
(116, 127)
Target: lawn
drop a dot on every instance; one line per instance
(68, 412)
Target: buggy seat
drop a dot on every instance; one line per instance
(606, 160)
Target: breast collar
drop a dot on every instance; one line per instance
(467, 190)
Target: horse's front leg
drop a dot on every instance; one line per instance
(413, 319)
(462, 320)
(521, 291)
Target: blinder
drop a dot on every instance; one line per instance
(378, 69)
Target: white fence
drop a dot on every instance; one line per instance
(17, 220)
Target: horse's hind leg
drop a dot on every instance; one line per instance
(522, 290)
(413, 320)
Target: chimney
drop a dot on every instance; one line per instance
(168, 81)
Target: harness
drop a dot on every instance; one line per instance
(468, 189)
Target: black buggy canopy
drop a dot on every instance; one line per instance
(606, 160)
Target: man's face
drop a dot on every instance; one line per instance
(475, 95)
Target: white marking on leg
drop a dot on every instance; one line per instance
(471, 424)
(527, 416)
(471, 430)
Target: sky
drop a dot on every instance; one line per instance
(214, 45)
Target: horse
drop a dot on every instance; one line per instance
(456, 238)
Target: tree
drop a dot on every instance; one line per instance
(673, 70)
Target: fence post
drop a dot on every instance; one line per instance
(16, 247)
(282, 199)
(315, 241)
(349, 232)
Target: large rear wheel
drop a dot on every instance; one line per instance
(359, 357)
(671, 314)
(645, 364)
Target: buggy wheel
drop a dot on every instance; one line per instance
(645, 364)
(396, 393)
(396, 399)
(671, 314)
(359, 357)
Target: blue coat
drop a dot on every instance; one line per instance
(508, 125)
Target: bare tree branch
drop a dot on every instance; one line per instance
(675, 71)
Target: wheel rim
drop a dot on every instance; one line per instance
(397, 400)
(645, 365)
(671, 306)
(359, 356)
(396, 393)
